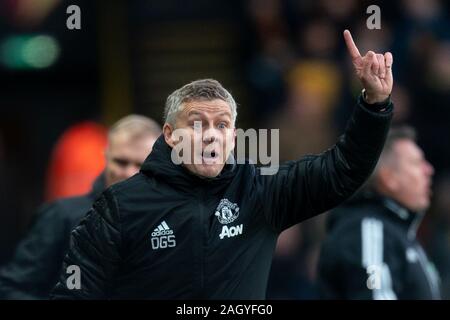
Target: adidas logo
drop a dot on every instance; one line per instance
(163, 237)
(162, 230)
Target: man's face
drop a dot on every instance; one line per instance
(410, 176)
(209, 126)
(124, 157)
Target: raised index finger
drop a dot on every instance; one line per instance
(352, 49)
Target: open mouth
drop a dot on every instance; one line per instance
(210, 157)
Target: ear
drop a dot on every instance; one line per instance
(233, 143)
(168, 131)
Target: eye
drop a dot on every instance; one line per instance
(121, 162)
(222, 125)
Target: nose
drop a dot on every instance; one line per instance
(429, 170)
(210, 136)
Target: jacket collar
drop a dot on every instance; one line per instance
(392, 210)
(406, 217)
(159, 164)
(98, 186)
(395, 211)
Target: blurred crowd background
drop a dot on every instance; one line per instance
(285, 62)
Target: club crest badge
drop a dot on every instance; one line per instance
(226, 211)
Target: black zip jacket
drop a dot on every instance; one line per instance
(167, 234)
(371, 252)
(34, 268)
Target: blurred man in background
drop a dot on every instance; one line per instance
(371, 251)
(34, 268)
(435, 231)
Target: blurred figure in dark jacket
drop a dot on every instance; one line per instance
(436, 234)
(371, 250)
(34, 268)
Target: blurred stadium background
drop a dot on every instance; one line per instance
(283, 60)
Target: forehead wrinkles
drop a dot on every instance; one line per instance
(214, 106)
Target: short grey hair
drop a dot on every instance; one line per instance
(136, 127)
(399, 132)
(199, 90)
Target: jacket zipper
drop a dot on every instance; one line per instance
(431, 279)
(423, 260)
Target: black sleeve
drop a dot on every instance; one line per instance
(360, 262)
(95, 250)
(31, 273)
(304, 188)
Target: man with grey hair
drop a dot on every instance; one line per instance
(130, 140)
(34, 268)
(371, 250)
(206, 227)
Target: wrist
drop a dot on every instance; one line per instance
(375, 106)
(374, 99)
